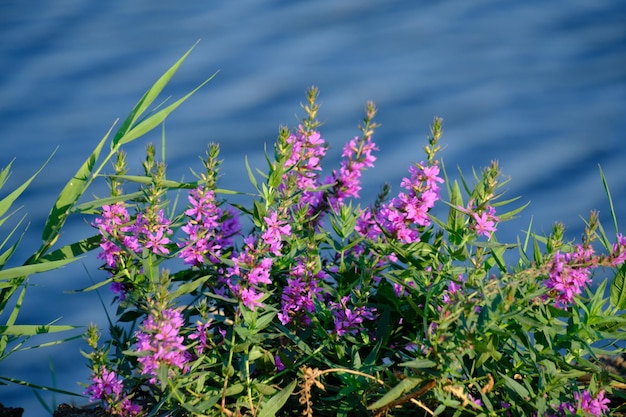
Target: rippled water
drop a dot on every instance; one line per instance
(539, 86)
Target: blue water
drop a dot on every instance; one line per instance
(539, 86)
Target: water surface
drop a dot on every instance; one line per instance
(541, 87)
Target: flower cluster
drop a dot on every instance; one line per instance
(110, 225)
(357, 156)
(303, 165)
(107, 386)
(160, 344)
(568, 275)
(209, 229)
(584, 403)
(401, 217)
(392, 293)
(300, 295)
(348, 320)
(123, 237)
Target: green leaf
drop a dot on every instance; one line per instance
(515, 386)
(141, 179)
(70, 194)
(405, 385)
(189, 287)
(7, 202)
(41, 387)
(148, 98)
(455, 217)
(608, 194)
(6, 255)
(149, 123)
(618, 289)
(22, 271)
(274, 404)
(32, 329)
(419, 364)
(72, 251)
(264, 321)
(251, 176)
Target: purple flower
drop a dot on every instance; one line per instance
(585, 403)
(109, 225)
(160, 343)
(209, 229)
(279, 364)
(106, 384)
(357, 156)
(250, 298)
(619, 251)
(300, 294)
(568, 275)
(156, 241)
(349, 320)
(485, 222)
(201, 335)
(594, 406)
(276, 230)
(402, 216)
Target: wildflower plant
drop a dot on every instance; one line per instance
(326, 305)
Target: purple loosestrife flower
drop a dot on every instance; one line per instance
(619, 251)
(299, 296)
(307, 151)
(348, 321)
(107, 387)
(453, 288)
(160, 343)
(357, 156)
(251, 268)
(584, 403)
(201, 335)
(595, 406)
(302, 168)
(568, 274)
(250, 298)
(105, 384)
(402, 216)
(485, 222)
(109, 225)
(148, 231)
(276, 230)
(209, 229)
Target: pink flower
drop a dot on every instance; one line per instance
(250, 298)
(485, 222)
(160, 343)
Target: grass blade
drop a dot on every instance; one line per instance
(147, 100)
(146, 125)
(72, 191)
(274, 404)
(6, 202)
(608, 194)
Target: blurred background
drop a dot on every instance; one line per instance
(539, 86)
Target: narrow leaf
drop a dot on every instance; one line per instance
(515, 386)
(156, 119)
(405, 385)
(74, 250)
(22, 271)
(31, 329)
(618, 289)
(148, 98)
(72, 191)
(274, 404)
(419, 364)
(7, 201)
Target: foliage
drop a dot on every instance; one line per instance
(324, 307)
